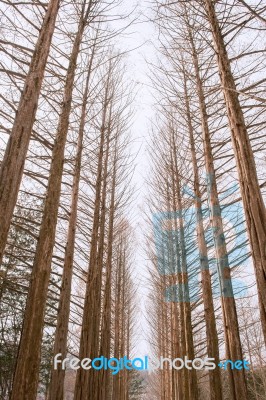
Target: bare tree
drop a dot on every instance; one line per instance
(15, 155)
(56, 390)
(251, 194)
(26, 375)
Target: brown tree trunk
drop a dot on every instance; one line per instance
(15, 155)
(232, 337)
(118, 317)
(123, 326)
(251, 195)
(106, 322)
(83, 377)
(27, 369)
(175, 352)
(95, 307)
(128, 330)
(211, 332)
(185, 301)
(180, 378)
(56, 390)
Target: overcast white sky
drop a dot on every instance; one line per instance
(141, 37)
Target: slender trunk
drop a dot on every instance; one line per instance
(170, 262)
(118, 312)
(56, 391)
(251, 195)
(165, 351)
(12, 166)
(82, 380)
(178, 279)
(122, 329)
(232, 337)
(128, 316)
(192, 377)
(27, 369)
(175, 352)
(211, 332)
(106, 323)
(179, 378)
(95, 309)
(160, 307)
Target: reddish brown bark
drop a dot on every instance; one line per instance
(251, 195)
(15, 155)
(56, 390)
(185, 302)
(83, 377)
(232, 337)
(95, 309)
(105, 348)
(211, 332)
(28, 361)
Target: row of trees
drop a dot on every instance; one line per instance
(207, 166)
(66, 242)
(66, 256)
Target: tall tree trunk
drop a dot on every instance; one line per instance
(232, 336)
(175, 352)
(118, 316)
(122, 329)
(106, 321)
(180, 379)
(251, 195)
(185, 301)
(27, 368)
(56, 390)
(178, 278)
(160, 333)
(83, 377)
(128, 330)
(15, 155)
(211, 332)
(95, 308)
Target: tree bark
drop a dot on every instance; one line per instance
(106, 322)
(232, 337)
(251, 195)
(27, 368)
(118, 316)
(56, 390)
(211, 331)
(95, 307)
(15, 155)
(185, 302)
(83, 377)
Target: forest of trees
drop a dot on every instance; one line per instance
(70, 275)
